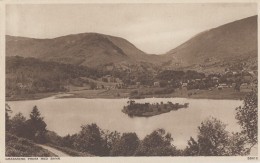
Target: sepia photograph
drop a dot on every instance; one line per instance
(131, 80)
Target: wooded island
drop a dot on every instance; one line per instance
(148, 110)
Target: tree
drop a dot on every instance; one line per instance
(126, 145)
(7, 117)
(36, 126)
(237, 87)
(110, 138)
(213, 140)
(237, 145)
(193, 148)
(69, 140)
(248, 119)
(93, 85)
(158, 143)
(18, 126)
(53, 138)
(89, 140)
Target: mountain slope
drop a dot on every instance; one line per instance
(213, 50)
(88, 49)
(232, 41)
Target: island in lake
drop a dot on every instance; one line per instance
(148, 110)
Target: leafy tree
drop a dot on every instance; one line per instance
(237, 145)
(193, 148)
(158, 143)
(110, 138)
(126, 145)
(89, 140)
(213, 140)
(53, 138)
(69, 140)
(248, 119)
(36, 126)
(18, 126)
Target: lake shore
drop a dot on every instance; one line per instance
(25, 97)
(228, 94)
(66, 115)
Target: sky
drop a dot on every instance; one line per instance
(153, 28)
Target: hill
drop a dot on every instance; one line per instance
(31, 75)
(218, 48)
(87, 49)
(231, 46)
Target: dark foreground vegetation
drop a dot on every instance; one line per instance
(21, 147)
(148, 110)
(212, 140)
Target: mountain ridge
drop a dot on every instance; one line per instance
(224, 43)
(235, 39)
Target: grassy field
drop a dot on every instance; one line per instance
(226, 93)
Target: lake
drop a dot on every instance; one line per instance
(66, 115)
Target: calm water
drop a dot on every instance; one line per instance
(65, 116)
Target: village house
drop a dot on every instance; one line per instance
(20, 85)
(109, 79)
(222, 85)
(119, 85)
(100, 86)
(244, 87)
(156, 84)
(229, 73)
(215, 79)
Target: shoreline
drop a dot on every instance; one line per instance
(63, 95)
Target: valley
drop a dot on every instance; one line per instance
(213, 64)
(105, 80)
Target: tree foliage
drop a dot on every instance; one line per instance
(126, 145)
(212, 139)
(90, 140)
(247, 117)
(158, 143)
(18, 126)
(36, 126)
